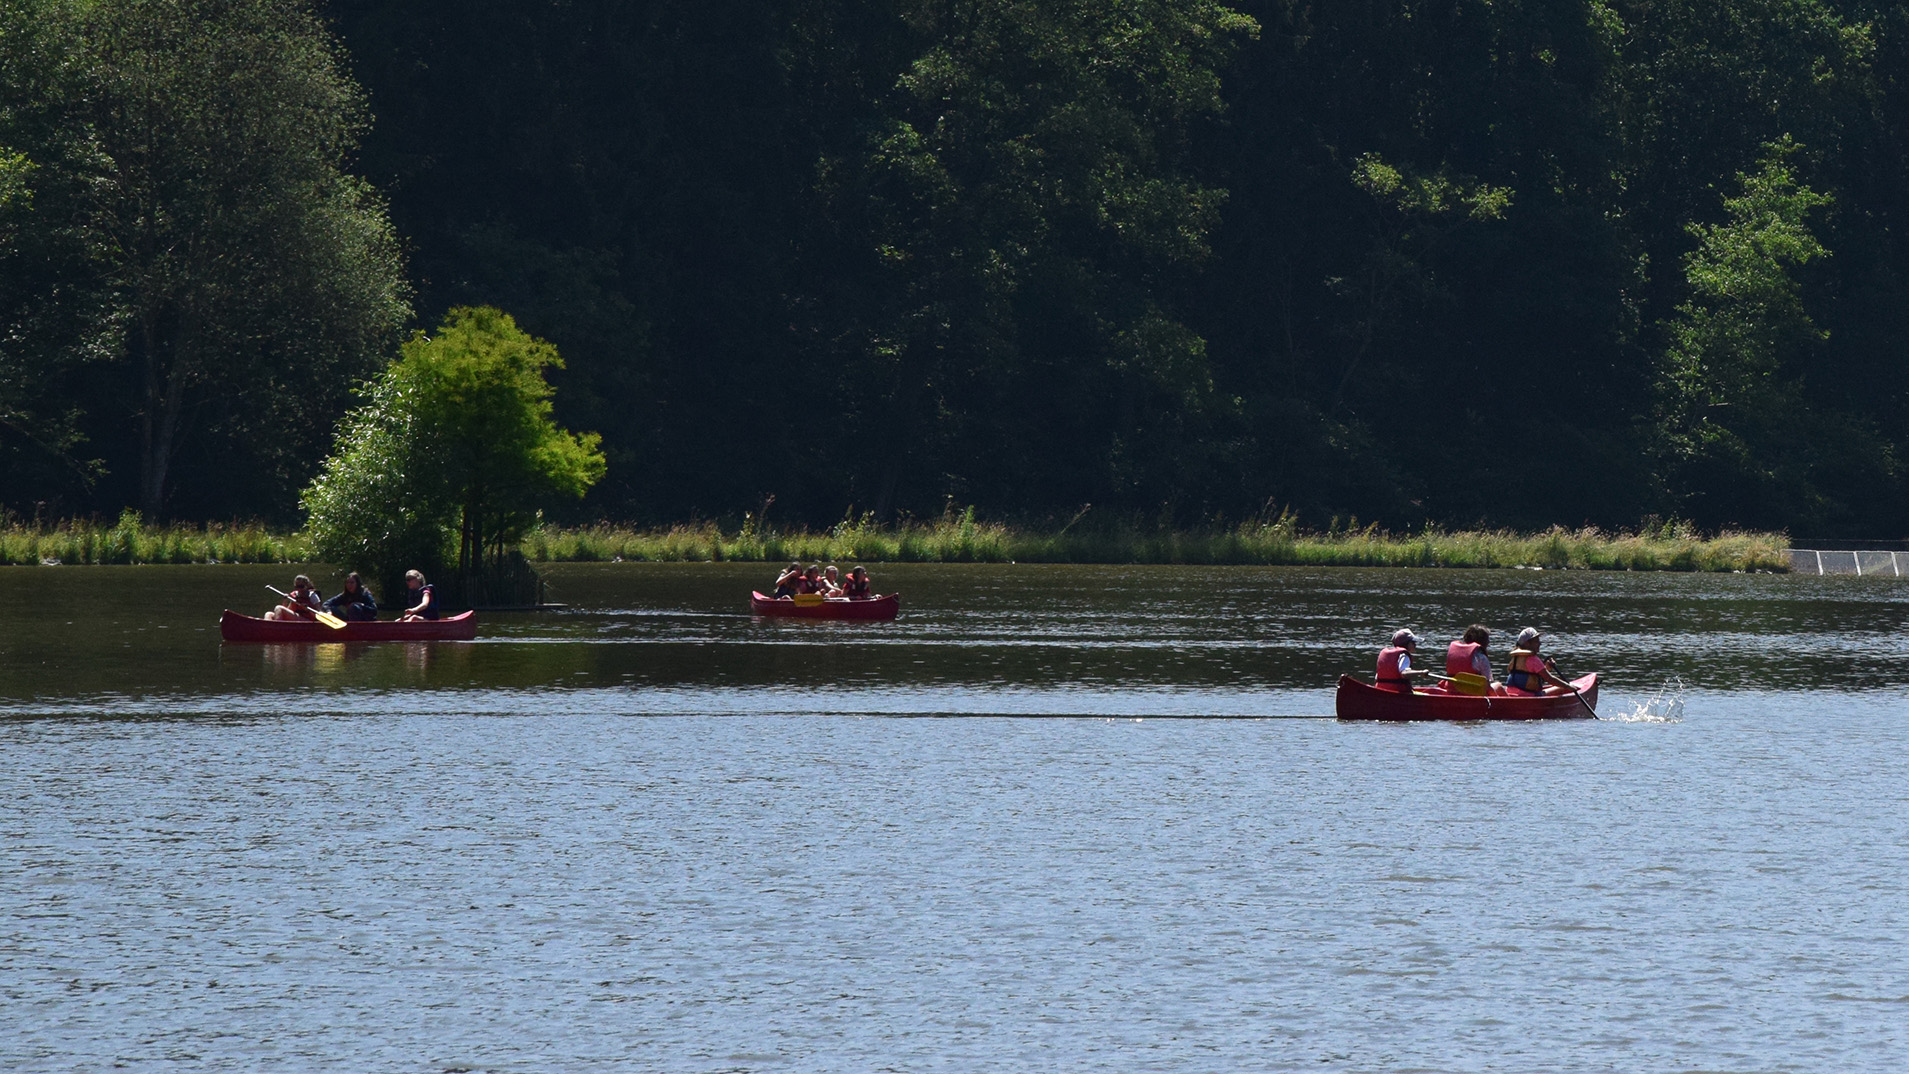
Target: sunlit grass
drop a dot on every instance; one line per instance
(959, 537)
(131, 541)
(962, 539)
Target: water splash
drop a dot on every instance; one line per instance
(1664, 706)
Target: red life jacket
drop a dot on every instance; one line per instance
(1458, 658)
(1390, 676)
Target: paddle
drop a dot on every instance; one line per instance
(1469, 685)
(1407, 676)
(320, 614)
(1485, 697)
(808, 598)
(1574, 691)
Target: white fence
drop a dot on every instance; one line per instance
(1810, 561)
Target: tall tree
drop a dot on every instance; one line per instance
(258, 277)
(455, 437)
(1743, 440)
(57, 318)
(1019, 227)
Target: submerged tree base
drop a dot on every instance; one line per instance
(957, 539)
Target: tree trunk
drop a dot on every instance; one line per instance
(466, 538)
(165, 391)
(903, 432)
(150, 393)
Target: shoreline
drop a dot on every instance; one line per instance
(960, 539)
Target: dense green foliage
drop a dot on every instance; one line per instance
(452, 455)
(1468, 263)
(191, 282)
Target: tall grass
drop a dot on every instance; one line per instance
(129, 540)
(958, 537)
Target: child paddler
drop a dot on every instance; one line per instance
(1470, 655)
(1395, 671)
(302, 601)
(1527, 669)
(857, 586)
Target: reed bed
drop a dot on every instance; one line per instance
(129, 540)
(961, 539)
(958, 538)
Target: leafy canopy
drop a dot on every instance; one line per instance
(457, 435)
(1737, 422)
(197, 276)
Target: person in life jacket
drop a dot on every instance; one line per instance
(1529, 671)
(304, 601)
(1395, 671)
(856, 587)
(420, 598)
(1470, 655)
(810, 582)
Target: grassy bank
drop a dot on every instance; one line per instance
(964, 540)
(957, 539)
(130, 541)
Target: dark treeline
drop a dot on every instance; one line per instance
(1461, 262)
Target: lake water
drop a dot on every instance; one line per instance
(653, 833)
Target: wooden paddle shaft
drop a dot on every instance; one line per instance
(319, 614)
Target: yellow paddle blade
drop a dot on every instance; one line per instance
(809, 598)
(330, 620)
(1465, 682)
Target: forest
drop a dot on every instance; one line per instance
(1500, 263)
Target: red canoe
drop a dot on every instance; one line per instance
(1362, 701)
(883, 607)
(236, 627)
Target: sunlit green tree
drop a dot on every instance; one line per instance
(1741, 434)
(453, 453)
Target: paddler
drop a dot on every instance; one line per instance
(1527, 669)
(1395, 662)
(789, 581)
(356, 603)
(1470, 655)
(857, 586)
(303, 601)
(420, 598)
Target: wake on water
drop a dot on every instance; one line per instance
(1664, 706)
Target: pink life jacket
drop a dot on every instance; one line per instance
(1390, 675)
(1458, 658)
